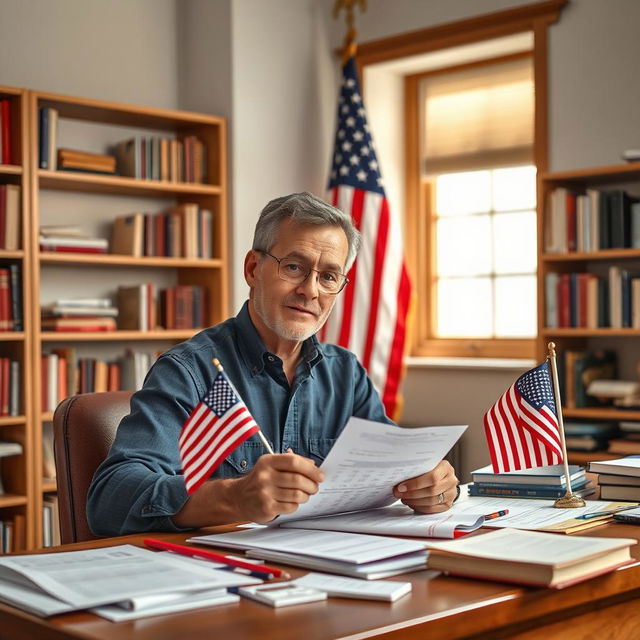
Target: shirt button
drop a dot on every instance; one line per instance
(243, 464)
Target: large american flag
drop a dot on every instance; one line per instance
(218, 424)
(522, 427)
(369, 317)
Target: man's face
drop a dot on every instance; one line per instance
(294, 311)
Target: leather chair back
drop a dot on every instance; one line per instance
(84, 426)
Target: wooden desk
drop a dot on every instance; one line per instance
(438, 607)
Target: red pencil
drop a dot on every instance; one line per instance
(260, 570)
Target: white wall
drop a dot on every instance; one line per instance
(118, 50)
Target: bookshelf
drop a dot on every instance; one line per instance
(93, 201)
(622, 340)
(16, 471)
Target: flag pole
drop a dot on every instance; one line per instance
(569, 500)
(265, 442)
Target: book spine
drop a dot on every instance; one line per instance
(43, 142)
(475, 490)
(6, 132)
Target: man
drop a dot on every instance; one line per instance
(300, 392)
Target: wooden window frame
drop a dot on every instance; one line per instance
(533, 18)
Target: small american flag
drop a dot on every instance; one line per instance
(522, 427)
(218, 424)
(369, 317)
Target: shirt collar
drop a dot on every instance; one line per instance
(253, 350)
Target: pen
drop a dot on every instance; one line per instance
(497, 514)
(256, 570)
(595, 514)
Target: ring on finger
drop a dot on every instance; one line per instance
(441, 498)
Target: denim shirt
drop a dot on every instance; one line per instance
(139, 486)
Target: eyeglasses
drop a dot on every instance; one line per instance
(296, 272)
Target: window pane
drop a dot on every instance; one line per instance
(514, 242)
(514, 189)
(464, 308)
(515, 309)
(463, 193)
(464, 246)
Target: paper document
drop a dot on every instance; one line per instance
(368, 460)
(346, 547)
(535, 515)
(47, 584)
(353, 588)
(395, 520)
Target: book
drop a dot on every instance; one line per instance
(127, 235)
(552, 475)
(629, 465)
(611, 478)
(386, 590)
(530, 557)
(624, 446)
(524, 491)
(79, 324)
(620, 492)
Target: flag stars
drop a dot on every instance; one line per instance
(350, 82)
(345, 108)
(351, 122)
(356, 99)
(365, 151)
(344, 170)
(361, 112)
(373, 165)
(358, 136)
(346, 146)
(354, 160)
(362, 175)
(341, 134)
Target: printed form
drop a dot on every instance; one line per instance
(369, 459)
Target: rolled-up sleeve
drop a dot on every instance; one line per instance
(139, 486)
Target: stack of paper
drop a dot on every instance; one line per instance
(350, 554)
(134, 579)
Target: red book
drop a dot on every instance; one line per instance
(583, 281)
(64, 249)
(113, 377)
(160, 248)
(6, 132)
(5, 301)
(3, 215)
(571, 221)
(44, 377)
(5, 377)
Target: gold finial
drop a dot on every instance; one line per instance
(217, 365)
(551, 348)
(349, 48)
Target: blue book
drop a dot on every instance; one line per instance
(43, 142)
(521, 492)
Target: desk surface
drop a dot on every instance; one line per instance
(438, 607)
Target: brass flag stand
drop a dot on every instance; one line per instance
(569, 500)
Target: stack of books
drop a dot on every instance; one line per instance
(137, 307)
(182, 307)
(538, 482)
(72, 160)
(86, 314)
(619, 479)
(70, 239)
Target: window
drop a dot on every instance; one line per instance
(476, 263)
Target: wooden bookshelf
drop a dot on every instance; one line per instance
(17, 471)
(97, 199)
(622, 340)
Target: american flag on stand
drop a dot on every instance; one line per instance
(218, 424)
(369, 317)
(522, 427)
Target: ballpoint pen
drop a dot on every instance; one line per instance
(596, 514)
(259, 571)
(497, 514)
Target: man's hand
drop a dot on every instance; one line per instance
(277, 484)
(432, 492)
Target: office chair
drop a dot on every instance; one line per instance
(84, 427)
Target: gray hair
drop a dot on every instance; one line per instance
(303, 208)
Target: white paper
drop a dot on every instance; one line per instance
(386, 568)
(395, 520)
(340, 587)
(534, 547)
(368, 460)
(182, 602)
(347, 547)
(526, 513)
(52, 583)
